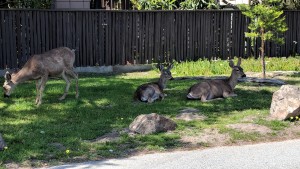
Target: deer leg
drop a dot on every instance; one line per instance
(75, 76)
(68, 82)
(214, 99)
(41, 88)
(226, 94)
(203, 98)
(38, 86)
(162, 96)
(150, 100)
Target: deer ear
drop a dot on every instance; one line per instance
(160, 67)
(7, 76)
(170, 66)
(239, 61)
(231, 64)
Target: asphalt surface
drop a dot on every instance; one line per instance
(274, 155)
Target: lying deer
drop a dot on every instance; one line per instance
(212, 89)
(54, 63)
(150, 92)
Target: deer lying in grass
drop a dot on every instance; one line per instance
(150, 92)
(213, 89)
(54, 63)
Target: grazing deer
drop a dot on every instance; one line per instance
(54, 63)
(150, 92)
(212, 89)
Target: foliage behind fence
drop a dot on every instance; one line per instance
(103, 37)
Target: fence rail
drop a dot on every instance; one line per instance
(103, 37)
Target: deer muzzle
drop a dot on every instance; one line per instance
(6, 96)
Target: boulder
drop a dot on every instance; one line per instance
(2, 143)
(151, 123)
(285, 102)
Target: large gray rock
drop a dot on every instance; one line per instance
(2, 143)
(285, 102)
(151, 123)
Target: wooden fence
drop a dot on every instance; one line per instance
(103, 37)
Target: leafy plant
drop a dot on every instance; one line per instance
(154, 4)
(198, 4)
(266, 24)
(35, 4)
(293, 4)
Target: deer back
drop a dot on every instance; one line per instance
(56, 60)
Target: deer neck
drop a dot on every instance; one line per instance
(162, 83)
(21, 76)
(232, 81)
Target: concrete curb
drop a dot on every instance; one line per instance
(106, 69)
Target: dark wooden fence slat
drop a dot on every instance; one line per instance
(89, 40)
(7, 40)
(18, 34)
(297, 33)
(65, 28)
(108, 39)
(13, 43)
(85, 40)
(157, 56)
(139, 37)
(130, 53)
(2, 65)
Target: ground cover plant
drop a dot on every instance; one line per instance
(69, 130)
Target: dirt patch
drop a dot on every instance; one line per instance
(291, 132)
(211, 137)
(190, 116)
(250, 119)
(250, 128)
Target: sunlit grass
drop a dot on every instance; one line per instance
(220, 67)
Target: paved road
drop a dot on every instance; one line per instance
(276, 155)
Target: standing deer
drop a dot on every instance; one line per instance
(150, 92)
(54, 63)
(212, 89)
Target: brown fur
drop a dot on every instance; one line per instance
(150, 92)
(54, 63)
(212, 89)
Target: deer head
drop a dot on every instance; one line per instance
(8, 85)
(165, 73)
(237, 70)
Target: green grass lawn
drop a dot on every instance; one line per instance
(105, 104)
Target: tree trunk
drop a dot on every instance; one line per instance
(262, 54)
